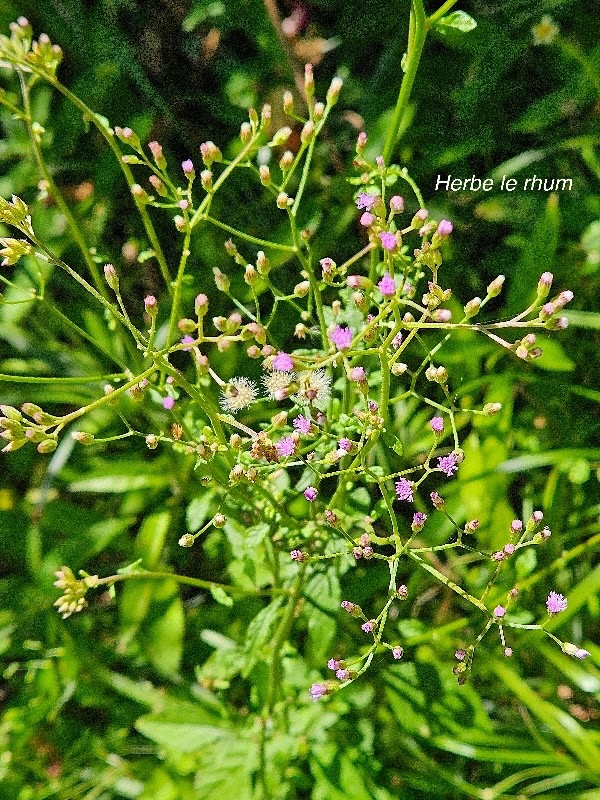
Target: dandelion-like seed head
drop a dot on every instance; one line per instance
(315, 389)
(238, 394)
(277, 382)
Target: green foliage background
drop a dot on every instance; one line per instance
(154, 695)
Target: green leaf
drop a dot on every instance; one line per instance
(456, 21)
(260, 633)
(183, 732)
(221, 596)
(553, 357)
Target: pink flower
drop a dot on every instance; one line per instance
(283, 362)
(368, 627)
(499, 612)
(436, 424)
(297, 555)
(556, 603)
(447, 464)
(311, 494)
(342, 674)
(366, 200)
(187, 341)
(187, 166)
(445, 227)
(397, 204)
(302, 424)
(168, 403)
(345, 444)
(367, 219)
(333, 663)
(286, 446)
(404, 490)
(397, 652)
(419, 519)
(422, 214)
(358, 374)
(516, 525)
(397, 341)
(388, 241)
(387, 285)
(341, 337)
(318, 690)
(327, 265)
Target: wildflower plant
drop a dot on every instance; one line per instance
(306, 434)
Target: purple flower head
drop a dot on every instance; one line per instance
(342, 674)
(348, 606)
(402, 592)
(387, 285)
(388, 241)
(341, 337)
(422, 214)
(581, 653)
(318, 690)
(436, 424)
(302, 424)
(445, 227)
(516, 525)
(168, 403)
(499, 612)
(556, 603)
(358, 374)
(368, 627)
(345, 444)
(509, 549)
(333, 663)
(297, 555)
(447, 464)
(367, 219)
(419, 520)
(286, 446)
(357, 552)
(282, 362)
(397, 652)
(366, 200)
(327, 265)
(310, 493)
(404, 490)
(537, 516)
(437, 501)
(373, 406)
(460, 654)
(187, 342)
(397, 204)
(187, 166)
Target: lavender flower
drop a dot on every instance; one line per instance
(342, 674)
(388, 241)
(358, 375)
(302, 424)
(447, 464)
(397, 652)
(499, 612)
(341, 337)
(419, 520)
(445, 227)
(366, 200)
(286, 446)
(436, 424)
(397, 204)
(368, 627)
(318, 690)
(367, 219)
(311, 494)
(187, 342)
(298, 555)
(283, 362)
(168, 403)
(556, 603)
(345, 444)
(404, 490)
(333, 664)
(387, 285)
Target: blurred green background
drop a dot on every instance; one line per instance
(116, 702)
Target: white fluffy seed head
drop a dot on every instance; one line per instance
(238, 394)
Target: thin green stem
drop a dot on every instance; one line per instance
(198, 582)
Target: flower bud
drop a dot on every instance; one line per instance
(265, 175)
(281, 136)
(83, 437)
(302, 289)
(210, 152)
(544, 284)
(187, 540)
(308, 131)
(206, 179)
(490, 409)
(111, 277)
(47, 446)
(309, 81)
(151, 306)
(282, 200)
(472, 307)
(251, 275)
(219, 520)
(288, 103)
(495, 287)
(286, 161)
(245, 132)
(158, 185)
(222, 281)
